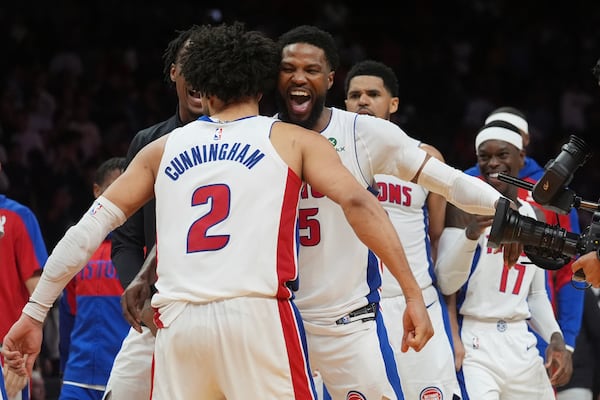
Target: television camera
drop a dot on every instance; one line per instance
(549, 246)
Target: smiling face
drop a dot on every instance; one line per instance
(368, 95)
(190, 103)
(304, 79)
(498, 156)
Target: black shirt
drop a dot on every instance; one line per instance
(138, 234)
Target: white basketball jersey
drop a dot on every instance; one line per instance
(406, 205)
(337, 271)
(226, 212)
(493, 291)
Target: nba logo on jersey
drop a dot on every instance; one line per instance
(2, 221)
(353, 395)
(95, 208)
(218, 134)
(431, 393)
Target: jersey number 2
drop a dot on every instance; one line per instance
(198, 238)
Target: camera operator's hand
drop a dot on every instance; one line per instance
(590, 265)
(510, 251)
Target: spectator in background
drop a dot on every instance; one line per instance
(22, 255)
(92, 326)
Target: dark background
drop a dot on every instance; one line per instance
(79, 79)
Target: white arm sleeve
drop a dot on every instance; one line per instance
(72, 253)
(455, 257)
(542, 315)
(468, 193)
(384, 148)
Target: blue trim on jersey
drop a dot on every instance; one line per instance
(448, 329)
(389, 360)
(431, 268)
(375, 191)
(460, 297)
(302, 333)
(373, 278)
(3, 394)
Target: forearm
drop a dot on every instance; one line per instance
(371, 223)
(148, 270)
(466, 192)
(71, 254)
(542, 315)
(455, 257)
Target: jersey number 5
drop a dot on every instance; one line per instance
(198, 238)
(308, 221)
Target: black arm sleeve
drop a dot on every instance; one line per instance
(128, 248)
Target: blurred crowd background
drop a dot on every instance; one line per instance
(78, 79)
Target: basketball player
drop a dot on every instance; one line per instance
(371, 88)
(130, 377)
(338, 294)
(227, 190)
(496, 303)
(92, 326)
(566, 299)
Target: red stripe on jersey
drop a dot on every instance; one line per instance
(295, 350)
(286, 258)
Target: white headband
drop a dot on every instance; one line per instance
(499, 133)
(511, 118)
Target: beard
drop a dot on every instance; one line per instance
(315, 112)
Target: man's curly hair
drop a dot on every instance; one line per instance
(229, 62)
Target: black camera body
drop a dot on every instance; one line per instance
(549, 246)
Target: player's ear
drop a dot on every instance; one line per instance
(395, 101)
(330, 79)
(173, 72)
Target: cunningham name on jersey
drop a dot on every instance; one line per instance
(196, 155)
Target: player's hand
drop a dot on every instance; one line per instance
(147, 317)
(22, 345)
(133, 300)
(590, 265)
(560, 361)
(417, 325)
(13, 382)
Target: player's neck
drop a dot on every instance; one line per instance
(234, 110)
